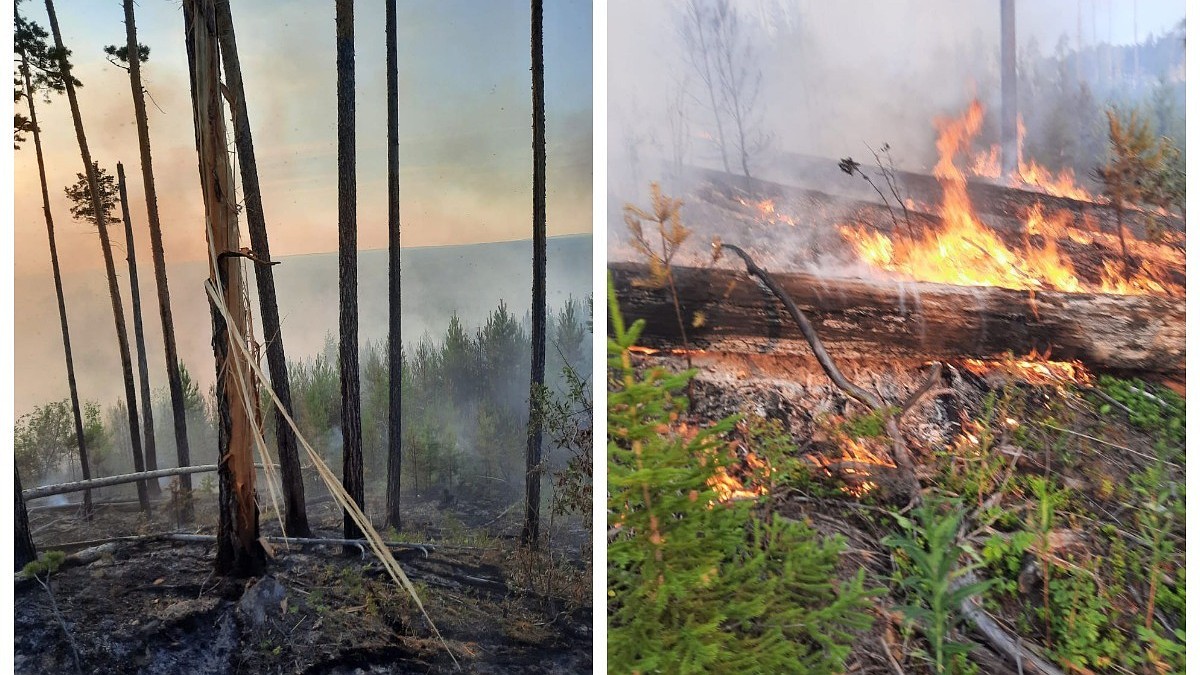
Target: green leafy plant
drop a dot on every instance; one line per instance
(938, 582)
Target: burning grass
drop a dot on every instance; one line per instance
(1059, 475)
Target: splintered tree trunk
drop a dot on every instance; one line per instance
(25, 553)
(135, 297)
(533, 449)
(174, 380)
(58, 291)
(289, 458)
(352, 461)
(239, 551)
(395, 346)
(102, 227)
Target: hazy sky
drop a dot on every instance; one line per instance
(838, 74)
(465, 124)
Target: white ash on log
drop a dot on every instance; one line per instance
(728, 311)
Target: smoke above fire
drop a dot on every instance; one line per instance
(838, 75)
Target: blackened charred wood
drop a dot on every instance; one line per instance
(883, 320)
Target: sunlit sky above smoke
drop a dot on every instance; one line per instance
(465, 124)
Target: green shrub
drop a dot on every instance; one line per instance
(696, 585)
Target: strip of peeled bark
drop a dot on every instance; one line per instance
(881, 320)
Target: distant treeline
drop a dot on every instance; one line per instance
(465, 409)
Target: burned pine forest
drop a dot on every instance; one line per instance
(321, 401)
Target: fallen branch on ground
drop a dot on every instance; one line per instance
(900, 454)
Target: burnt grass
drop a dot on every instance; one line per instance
(154, 606)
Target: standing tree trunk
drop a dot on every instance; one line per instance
(352, 461)
(289, 458)
(1010, 145)
(139, 338)
(58, 292)
(239, 551)
(174, 380)
(25, 552)
(102, 227)
(533, 450)
(395, 345)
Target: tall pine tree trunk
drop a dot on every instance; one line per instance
(174, 379)
(25, 552)
(296, 520)
(139, 338)
(102, 227)
(533, 450)
(58, 292)
(395, 344)
(239, 552)
(352, 461)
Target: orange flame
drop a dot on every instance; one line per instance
(767, 213)
(966, 252)
(1034, 367)
(1030, 174)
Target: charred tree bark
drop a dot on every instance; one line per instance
(861, 318)
(25, 552)
(174, 380)
(239, 552)
(296, 519)
(1009, 143)
(395, 344)
(102, 227)
(58, 291)
(352, 461)
(537, 377)
(135, 297)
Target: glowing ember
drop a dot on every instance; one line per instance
(1034, 368)
(767, 213)
(966, 252)
(854, 465)
(730, 488)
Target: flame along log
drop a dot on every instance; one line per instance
(728, 311)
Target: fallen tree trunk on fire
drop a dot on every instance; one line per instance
(729, 311)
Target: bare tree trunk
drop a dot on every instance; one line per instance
(352, 461)
(1009, 144)
(289, 457)
(395, 344)
(102, 227)
(174, 381)
(699, 47)
(25, 552)
(58, 291)
(239, 551)
(139, 338)
(537, 376)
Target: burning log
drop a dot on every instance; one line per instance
(730, 312)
